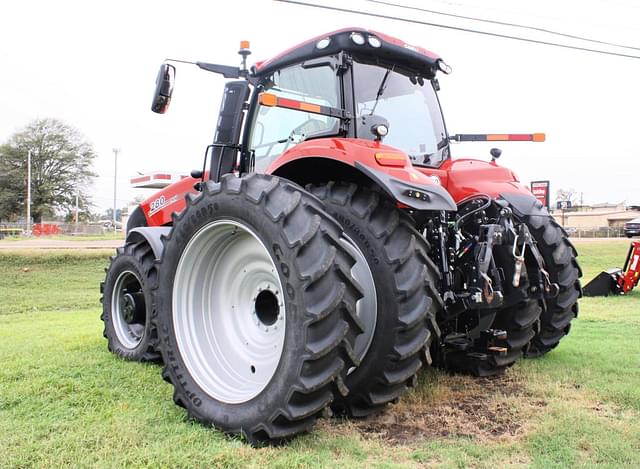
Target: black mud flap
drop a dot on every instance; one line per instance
(419, 197)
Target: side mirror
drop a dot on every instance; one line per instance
(164, 88)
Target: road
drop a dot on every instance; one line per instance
(44, 243)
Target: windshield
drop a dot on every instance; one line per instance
(411, 108)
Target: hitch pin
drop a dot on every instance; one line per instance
(519, 261)
(552, 289)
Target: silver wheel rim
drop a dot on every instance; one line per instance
(129, 330)
(228, 311)
(367, 306)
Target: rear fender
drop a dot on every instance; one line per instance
(466, 177)
(152, 235)
(322, 160)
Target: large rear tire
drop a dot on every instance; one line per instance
(400, 324)
(560, 258)
(127, 303)
(256, 308)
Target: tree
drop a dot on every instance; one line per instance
(12, 192)
(61, 163)
(567, 196)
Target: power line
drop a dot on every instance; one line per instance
(457, 28)
(542, 15)
(503, 23)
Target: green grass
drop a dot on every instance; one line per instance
(65, 401)
(44, 281)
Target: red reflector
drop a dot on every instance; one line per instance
(293, 104)
(509, 137)
(515, 137)
(520, 137)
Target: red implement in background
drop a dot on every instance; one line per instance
(617, 281)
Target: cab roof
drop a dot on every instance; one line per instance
(390, 49)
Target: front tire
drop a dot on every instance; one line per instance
(256, 308)
(400, 326)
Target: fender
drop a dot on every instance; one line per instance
(136, 219)
(152, 235)
(419, 197)
(383, 165)
(465, 177)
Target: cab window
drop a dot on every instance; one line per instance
(276, 129)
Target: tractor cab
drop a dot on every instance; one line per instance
(353, 84)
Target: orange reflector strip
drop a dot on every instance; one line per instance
(244, 44)
(268, 99)
(497, 137)
(515, 137)
(309, 107)
(391, 159)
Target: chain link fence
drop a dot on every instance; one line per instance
(596, 232)
(54, 228)
(18, 229)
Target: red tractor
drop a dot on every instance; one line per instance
(332, 247)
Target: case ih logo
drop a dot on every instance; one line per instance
(540, 190)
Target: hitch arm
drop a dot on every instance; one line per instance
(550, 289)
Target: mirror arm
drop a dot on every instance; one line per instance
(225, 70)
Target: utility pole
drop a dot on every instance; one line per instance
(77, 197)
(115, 181)
(29, 193)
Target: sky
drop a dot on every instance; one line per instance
(93, 65)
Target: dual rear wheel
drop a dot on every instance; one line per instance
(127, 302)
(274, 303)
